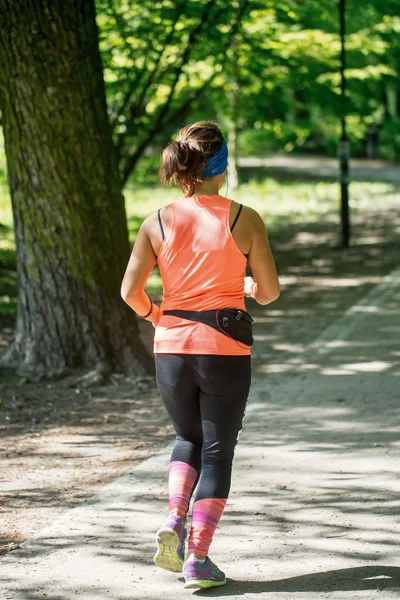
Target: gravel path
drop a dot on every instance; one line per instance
(315, 498)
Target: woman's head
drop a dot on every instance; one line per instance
(186, 161)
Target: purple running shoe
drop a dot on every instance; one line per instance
(171, 544)
(202, 575)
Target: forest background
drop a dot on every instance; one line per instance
(268, 72)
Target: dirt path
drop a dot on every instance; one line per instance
(315, 491)
(322, 167)
(58, 441)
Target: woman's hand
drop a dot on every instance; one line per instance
(249, 285)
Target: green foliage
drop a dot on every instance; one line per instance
(390, 139)
(146, 171)
(271, 67)
(169, 62)
(256, 142)
(158, 57)
(274, 137)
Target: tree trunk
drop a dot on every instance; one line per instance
(233, 178)
(233, 99)
(69, 215)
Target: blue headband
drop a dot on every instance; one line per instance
(217, 163)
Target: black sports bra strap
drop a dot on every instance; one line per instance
(161, 225)
(236, 218)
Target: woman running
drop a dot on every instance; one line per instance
(203, 373)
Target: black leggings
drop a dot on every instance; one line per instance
(205, 396)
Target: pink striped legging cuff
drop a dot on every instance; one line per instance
(205, 518)
(181, 480)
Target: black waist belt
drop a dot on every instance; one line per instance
(234, 323)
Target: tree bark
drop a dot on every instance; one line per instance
(69, 216)
(233, 98)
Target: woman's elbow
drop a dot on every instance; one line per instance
(127, 293)
(269, 296)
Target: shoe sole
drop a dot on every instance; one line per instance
(167, 556)
(203, 583)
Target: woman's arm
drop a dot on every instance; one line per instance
(265, 288)
(140, 266)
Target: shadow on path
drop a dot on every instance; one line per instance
(354, 579)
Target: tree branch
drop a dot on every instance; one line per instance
(182, 108)
(122, 29)
(134, 157)
(192, 37)
(135, 108)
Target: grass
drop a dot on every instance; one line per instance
(279, 203)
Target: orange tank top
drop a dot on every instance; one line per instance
(201, 268)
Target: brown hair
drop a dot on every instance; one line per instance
(184, 160)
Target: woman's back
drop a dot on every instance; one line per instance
(200, 264)
(201, 268)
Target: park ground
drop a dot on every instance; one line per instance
(61, 440)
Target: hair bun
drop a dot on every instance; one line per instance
(182, 154)
(184, 160)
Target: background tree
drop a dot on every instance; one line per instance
(159, 58)
(69, 216)
(170, 62)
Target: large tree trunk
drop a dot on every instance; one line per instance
(69, 215)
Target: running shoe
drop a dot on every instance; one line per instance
(171, 544)
(202, 575)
